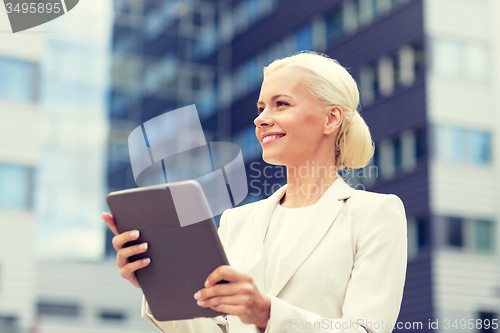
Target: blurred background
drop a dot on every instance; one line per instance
(72, 90)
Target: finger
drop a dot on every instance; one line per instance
(123, 255)
(128, 270)
(225, 272)
(237, 299)
(110, 222)
(236, 310)
(121, 239)
(224, 289)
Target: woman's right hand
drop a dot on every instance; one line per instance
(127, 269)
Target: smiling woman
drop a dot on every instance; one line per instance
(316, 251)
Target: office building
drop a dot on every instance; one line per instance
(427, 81)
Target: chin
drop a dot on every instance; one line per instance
(271, 160)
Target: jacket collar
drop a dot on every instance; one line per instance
(328, 207)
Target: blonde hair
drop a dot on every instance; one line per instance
(331, 84)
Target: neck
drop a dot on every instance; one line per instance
(306, 183)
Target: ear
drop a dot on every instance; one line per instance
(334, 116)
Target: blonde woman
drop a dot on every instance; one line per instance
(317, 255)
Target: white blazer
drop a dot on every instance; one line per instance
(346, 265)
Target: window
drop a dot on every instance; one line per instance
(368, 77)
(154, 21)
(483, 235)
(334, 24)
(249, 12)
(15, 186)
(240, 82)
(125, 72)
(480, 144)
(454, 226)
(465, 59)
(19, 80)
(459, 144)
(252, 10)
(387, 166)
(59, 309)
(423, 233)
(9, 324)
(486, 319)
(350, 16)
(473, 234)
(207, 102)
(225, 26)
(367, 10)
(383, 6)
(319, 34)
(225, 92)
(123, 43)
(112, 315)
(420, 143)
(419, 57)
(157, 75)
(252, 72)
(418, 235)
(240, 17)
(475, 61)
(406, 65)
(398, 156)
(304, 38)
(120, 104)
(408, 151)
(446, 57)
(386, 75)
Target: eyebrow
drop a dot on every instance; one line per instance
(274, 97)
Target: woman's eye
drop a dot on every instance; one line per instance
(259, 110)
(279, 103)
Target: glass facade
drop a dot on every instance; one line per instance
(15, 186)
(458, 144)
(484, 235)
(19, 80)
(465, 59)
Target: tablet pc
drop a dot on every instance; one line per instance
(181, 257)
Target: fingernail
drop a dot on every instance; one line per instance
(206, 284)
(143, 246)
(146, 261)
(201, 302)
(134, 234)
(197, 295)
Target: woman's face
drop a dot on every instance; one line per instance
(287, 107)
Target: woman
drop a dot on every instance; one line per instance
(317, 255)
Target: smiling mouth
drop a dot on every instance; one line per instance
(273, 140)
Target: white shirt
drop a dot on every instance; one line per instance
(283, 227)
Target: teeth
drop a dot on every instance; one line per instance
(271, 137)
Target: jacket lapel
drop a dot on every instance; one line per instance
(309, 235)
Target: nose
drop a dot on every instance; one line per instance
(263, 119)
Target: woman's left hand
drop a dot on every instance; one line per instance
(239, 297)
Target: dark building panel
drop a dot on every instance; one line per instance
(400, 111)
(403, 26)
(244, 111)
(417, 305)
(412, 189)
(290, 16)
